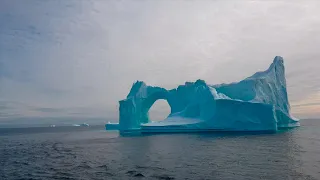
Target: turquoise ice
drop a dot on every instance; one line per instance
(257, 103)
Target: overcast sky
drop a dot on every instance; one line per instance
(79, 58)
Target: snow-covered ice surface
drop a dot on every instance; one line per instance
(257, 103)
(173, 121)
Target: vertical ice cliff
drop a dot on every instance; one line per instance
(257, 103)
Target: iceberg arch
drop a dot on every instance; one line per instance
(257, 103)
(134, 110)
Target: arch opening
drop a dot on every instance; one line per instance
(159, 111)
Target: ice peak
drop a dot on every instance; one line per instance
(136, 87)
(200, 82)
(278, 59)
(278, 65)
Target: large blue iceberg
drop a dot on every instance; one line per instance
(257, 103)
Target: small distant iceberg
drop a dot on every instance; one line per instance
(83, 124)
(52, 125)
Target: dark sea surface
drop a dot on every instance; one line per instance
(93, 153)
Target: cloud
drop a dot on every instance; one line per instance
(50, 110)
(308, 104)
(60, 56)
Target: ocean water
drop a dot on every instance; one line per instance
(93, 153)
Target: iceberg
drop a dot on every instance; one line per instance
(83, 124)
(257, 103)
(112, 126)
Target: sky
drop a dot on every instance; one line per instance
(78, 58)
